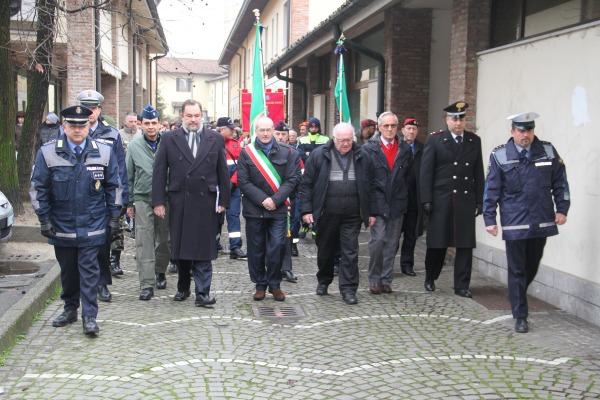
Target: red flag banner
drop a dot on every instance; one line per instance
(275, 106)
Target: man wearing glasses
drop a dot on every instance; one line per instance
(452, 183)
(335, 197)
(388, 158)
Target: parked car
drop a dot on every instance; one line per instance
(7, 218)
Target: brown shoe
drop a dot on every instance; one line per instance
(375, 289)
(386, 289)
(278, 295)
(259, 295)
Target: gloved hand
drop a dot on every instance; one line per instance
(113, 227)
(478, 209)
(427, 208)
(47, 229)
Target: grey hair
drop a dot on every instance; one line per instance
(340, 126)
(131, 114)
(384, 114)
(264, 117)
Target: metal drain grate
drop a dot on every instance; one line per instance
(21, 257)
(277, 311)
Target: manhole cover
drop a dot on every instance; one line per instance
(496, 298)
(277, 311)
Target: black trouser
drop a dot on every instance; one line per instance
(104, 262)
(342, 229)
(79, 277)
(523, 260)
(463, 262)
(202, 271)
(409, 242)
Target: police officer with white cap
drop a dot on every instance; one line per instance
(102, 131)
(75, 192)
(525, 176)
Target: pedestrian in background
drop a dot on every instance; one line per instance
(50, 129)
(528, 180)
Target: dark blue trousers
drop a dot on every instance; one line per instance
(265, 239)
(202, 271)
(79, 274)
(523, 259)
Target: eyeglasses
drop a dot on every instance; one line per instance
(343, 141)
(389, 126)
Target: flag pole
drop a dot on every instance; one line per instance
(341, 91)
(258, 106)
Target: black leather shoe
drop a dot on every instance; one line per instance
(322, 289)
(294, 250)
(288, 276)
(204, 300)
(408, 271)
(66, 318)
(90, 327)
(430, 286)
(463, 293)
(521, 326)
(146, 293)
(349, 298)
(104, 293)
(115, 263)
(161, 280)
(237, 254)
(181, 296)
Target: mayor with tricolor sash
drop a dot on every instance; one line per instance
(267, 174)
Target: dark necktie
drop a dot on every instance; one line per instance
(459, 140)
(78, 152)
(524, 153)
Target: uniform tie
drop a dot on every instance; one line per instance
(78, 152)
(524, 153)
(192, 142)
(459, 140)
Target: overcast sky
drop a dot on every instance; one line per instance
(197, 28)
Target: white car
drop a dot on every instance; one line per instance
(7, 218)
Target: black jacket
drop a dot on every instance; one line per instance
(316, 180)
(389, 191)
(255, 187)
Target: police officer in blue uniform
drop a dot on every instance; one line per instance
(525, 176)
(75, 192)
(103, 132)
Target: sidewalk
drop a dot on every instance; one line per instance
(408, 344)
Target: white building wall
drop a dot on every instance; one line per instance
(556, 76)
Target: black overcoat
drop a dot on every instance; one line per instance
(452, 180)
(191, 186)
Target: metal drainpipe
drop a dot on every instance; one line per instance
(299, 83)
(349, 43)
(97, 53)
(134, 88)
(155, 58)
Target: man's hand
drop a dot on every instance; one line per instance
(492, 230)
(47, 229)
(479, 210)
(131, 212)
(112, 229)
(269, 204)
(427, 208)
(308, 218)
(372, 221)
(221, 209)
(560, 219)
(159, 211)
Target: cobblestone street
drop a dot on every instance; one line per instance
(408, 344)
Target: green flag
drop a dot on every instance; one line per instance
(258, 107)
(341, 93)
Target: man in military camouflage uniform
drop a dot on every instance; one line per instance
(101, 131)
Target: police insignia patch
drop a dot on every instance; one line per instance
(560, 161)
(97, 185)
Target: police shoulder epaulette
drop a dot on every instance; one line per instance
(437, 133)
(50, 142)
(105, 123)
(94, 144)
(499, 147)
(545, 142)
(103, 141)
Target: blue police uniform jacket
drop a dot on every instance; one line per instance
(106, 134)
(77, 197)
(524, 188)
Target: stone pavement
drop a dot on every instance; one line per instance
(406, 345)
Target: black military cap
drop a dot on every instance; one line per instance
(457, 110)
(76, 115)
(225, 121)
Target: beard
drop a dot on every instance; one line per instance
(195, 128)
